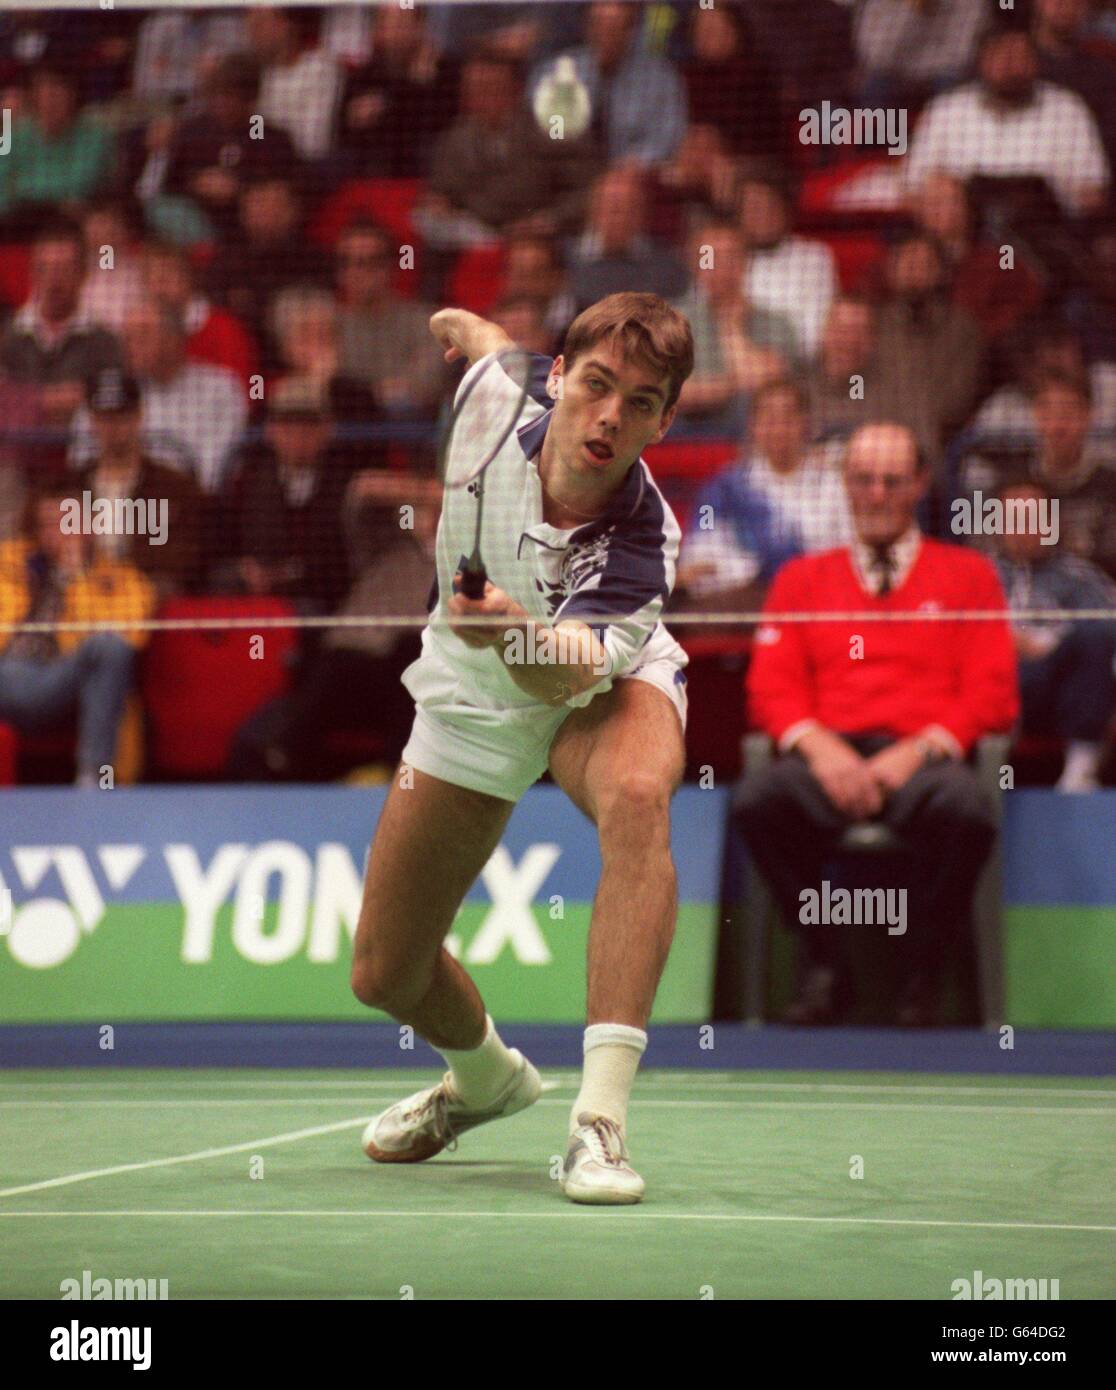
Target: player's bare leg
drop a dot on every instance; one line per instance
(432, 841)
(620, 760)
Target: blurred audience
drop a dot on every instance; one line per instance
(1073, 468)
(929, 352)
(840, 386)
(1008, 124)
(51, 576)
(300, 83)
(637, 99)
(614, 253)
(384, 339)
(786, 274)
(51, 345)
(737, 347)
(1067, 669)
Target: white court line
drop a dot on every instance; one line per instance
(631, 1214)
(639, 1102)
(251, 1144)
(688, 1078)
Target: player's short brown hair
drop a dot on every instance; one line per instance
(644, 326)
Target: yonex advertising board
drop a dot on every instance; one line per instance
(241, 903)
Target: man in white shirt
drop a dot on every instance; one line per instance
(580, 548)
(786, 274)
(1009, 124)
(300, 89)
(192, 413)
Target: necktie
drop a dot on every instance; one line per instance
(883, 564)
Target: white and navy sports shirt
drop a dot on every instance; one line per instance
(614, 573)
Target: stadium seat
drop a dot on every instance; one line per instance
(9, 744)
(868, 837)
(200, 685)
(476, 278)
(715, 720)
(15, 274)
(680, 469)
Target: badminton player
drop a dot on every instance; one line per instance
(580, 550)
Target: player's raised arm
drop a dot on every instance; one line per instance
(464, 334)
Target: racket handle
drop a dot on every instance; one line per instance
(473, 578)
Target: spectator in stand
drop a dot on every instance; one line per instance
(840, 386)
(929, 353)
(907, 50)
(385, 340)
(177, 49)
(614, 253)
(215, 154)
(729, 83)
(114, 276)
(306, 326)
(120, 469)
(1007, 124)
(496, 172)
(1040, 349)
(352, 681)
(780, 499)
(1092, 310)
(51, 344)
(214, 335)
(881, 737)
(300, 84)
(59, 154)
(1074, 468)
(996, 297)
(637, 99)
(737, 347)
(1066, 669)
(1063, 59)
(284, 503)
(533, 269)
(269, 255)
(524, 321)
(397, 104)
(786, 274)
(50, 576)
(192, 413)
(701, 181)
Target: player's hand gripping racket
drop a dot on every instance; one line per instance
(487, 410)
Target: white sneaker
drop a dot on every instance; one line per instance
(429, 1121)
(596, 1167)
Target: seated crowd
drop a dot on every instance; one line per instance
(201, 302)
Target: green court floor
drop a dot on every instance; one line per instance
(749, 1190)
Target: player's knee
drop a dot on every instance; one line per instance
(634, 798)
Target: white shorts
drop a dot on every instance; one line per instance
(503, 752)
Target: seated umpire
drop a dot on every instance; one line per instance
(874, 720)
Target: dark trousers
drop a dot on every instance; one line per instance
(1071, 692)
(792, 830)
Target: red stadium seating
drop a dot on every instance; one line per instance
(9, 746)
(199, 686)
(15, 274)
(680, 469)
(476, 279)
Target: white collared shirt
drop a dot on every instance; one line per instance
(904, 552)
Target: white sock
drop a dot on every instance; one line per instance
(1080, 770)
(480, 1073)
(612, 1053)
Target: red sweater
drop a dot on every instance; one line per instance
(959, 675)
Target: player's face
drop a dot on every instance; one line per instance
(609, 408)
